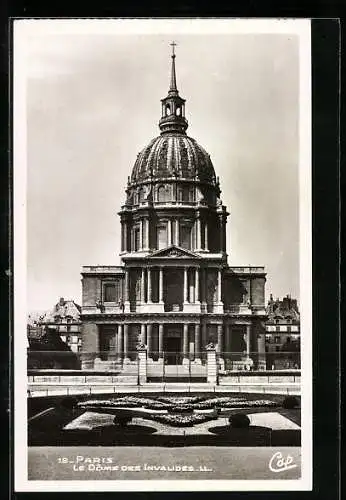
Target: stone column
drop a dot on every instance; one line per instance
(177, 232)
(219, 339)
(146, 234)
(198, 234)
(186, 342)
(222, 233)
(261, 349)
(204, 335)
(185, 285)
(143, 286)
(197, 343)
(149, 286)
(169, 232)
(122, 237)
(205, 286)
(206, 236)
(161, 285)
(120, 340)
(160, 340)
(125, 237)
(142, 366)
(143, 339)
(191, 287)
(126, 343)
(90, 336)
(212, 368)
(228, 337)
(141, 234)
(248, 340)
(127, 290)
(149, 339)
(197, 295)
(219, 286)
(113, 342)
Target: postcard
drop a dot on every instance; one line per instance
(162, 250)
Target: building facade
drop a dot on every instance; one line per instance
(174, 291)
(283, 333)
(64, 318)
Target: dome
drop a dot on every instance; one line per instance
(173, 155)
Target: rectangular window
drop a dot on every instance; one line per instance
(111, 292)
(161, 237)
(185, 237)
(294, 328)
(277, 339)
(283, 328)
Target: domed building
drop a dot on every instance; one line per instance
(175, 291)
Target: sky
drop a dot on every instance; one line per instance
(92, 104)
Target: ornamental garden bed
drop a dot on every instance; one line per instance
(177, 405)
(175, 411)
(158, 420)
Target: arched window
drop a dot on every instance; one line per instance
(141, 195)
(168, 109)
(163, 193)
(178, 112)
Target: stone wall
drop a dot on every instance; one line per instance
(91, 290)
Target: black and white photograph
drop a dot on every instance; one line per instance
(162, 250)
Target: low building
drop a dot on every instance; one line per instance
(64, 318)
(283, 333)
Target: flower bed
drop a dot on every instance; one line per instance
(179, 420)
(181, 400)
(181, 409)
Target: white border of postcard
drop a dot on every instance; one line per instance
(22, 29)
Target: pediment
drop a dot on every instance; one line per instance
(175, 252)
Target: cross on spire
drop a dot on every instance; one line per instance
(173, 84)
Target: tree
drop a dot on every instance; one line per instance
(50, 351)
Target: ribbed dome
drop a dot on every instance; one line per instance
(172, 155)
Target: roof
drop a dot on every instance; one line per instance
(285, 308)
(173, 155)
(63, 309)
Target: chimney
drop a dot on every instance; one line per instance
(61, 301)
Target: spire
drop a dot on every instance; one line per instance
(173, 85)
(173, 106)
